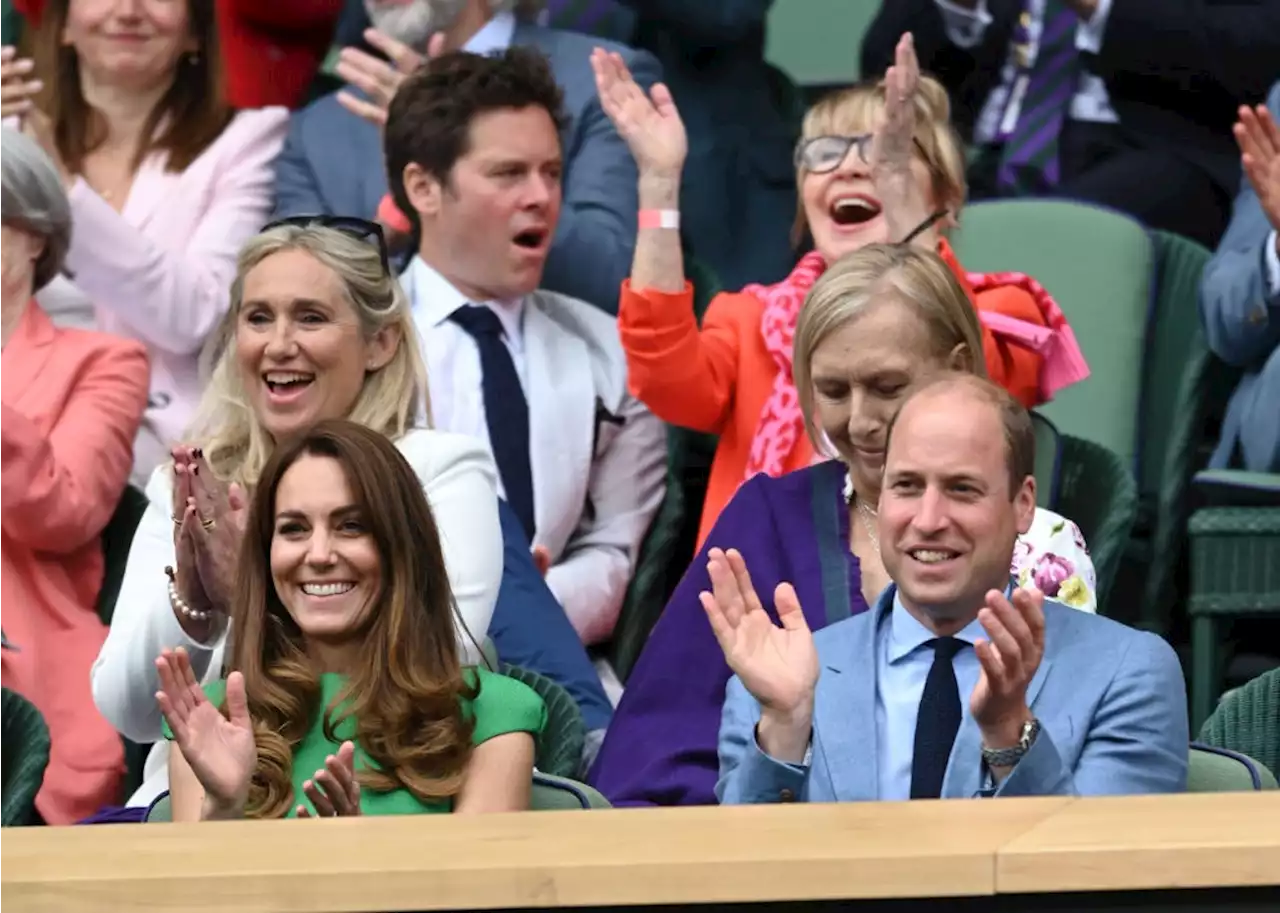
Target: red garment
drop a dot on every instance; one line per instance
(271, 49)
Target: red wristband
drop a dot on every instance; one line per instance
(660, 218)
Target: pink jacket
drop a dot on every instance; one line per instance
(160, 271)
(71, 402)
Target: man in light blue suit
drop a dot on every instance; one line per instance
(947, 688)
(332, 160)
(1240, 298)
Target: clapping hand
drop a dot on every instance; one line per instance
(334, 791)
(893, 150)
(649, 124)
(1259, 140)
(379, 79)
(209, 518)
(220, 749)
(778, 665)
(18, 85)
(1009, 660)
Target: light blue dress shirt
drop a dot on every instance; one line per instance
(902, 665)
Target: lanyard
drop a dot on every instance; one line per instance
(1025, 50)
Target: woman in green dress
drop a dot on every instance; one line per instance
(347, 695)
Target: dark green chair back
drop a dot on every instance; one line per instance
(117, 539)
(24, 755)
(1048, 461)
(560, 746)
(1097, 491)
(1184, 393)
(669, 545)
(1247, 720)
(1218, 770)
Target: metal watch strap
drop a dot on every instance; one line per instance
(1008, 757)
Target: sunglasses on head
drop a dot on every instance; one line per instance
(821, 154)
(360, 229)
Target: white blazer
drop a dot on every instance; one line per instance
(597, 455)
(160, 270)
(598, 458)
(459, 479)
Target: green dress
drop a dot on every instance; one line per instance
(503, 705)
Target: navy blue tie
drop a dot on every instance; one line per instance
(506, 411)
(937, 722)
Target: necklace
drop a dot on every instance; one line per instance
(866, 512)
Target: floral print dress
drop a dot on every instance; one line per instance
(1052, 557)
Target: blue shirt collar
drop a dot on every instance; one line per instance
(494, 35)
(906, 634)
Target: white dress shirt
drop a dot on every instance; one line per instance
(966, 27)
(1273, 265)
(455, 378)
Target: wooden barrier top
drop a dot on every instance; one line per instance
(659, 856)
(1137, 843)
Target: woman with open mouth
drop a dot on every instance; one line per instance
(318, 329)
(876, 162)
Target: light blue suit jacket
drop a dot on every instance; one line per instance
(1241, 319)
(333, 163)
(1111, 703)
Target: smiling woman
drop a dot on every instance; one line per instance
(317, 329)
(348, 695)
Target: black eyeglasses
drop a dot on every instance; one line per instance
(360, 229)
(821, 154)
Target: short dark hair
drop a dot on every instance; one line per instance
(1019, 433)
(429, 120)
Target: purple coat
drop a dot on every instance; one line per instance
(661, 746)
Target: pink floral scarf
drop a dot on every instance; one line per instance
(781, 422)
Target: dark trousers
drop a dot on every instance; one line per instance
(1155, 186)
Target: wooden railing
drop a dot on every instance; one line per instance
(654, 857)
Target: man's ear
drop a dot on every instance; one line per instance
(423, 189)
(1024, 504)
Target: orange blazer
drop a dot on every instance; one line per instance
(716, 379)
(72, 401)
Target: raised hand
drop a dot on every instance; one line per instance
(1009, 660)
(334, 791)
(221, 750)
(649, 124)
(778, 665)
(1259, 140)
(379, 79)
(18, 85)
(893, 143)
(216, 530)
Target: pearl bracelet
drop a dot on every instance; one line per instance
(177, 602)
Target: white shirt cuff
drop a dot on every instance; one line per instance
(1090, 33)
(964, 27)
(1272, 260)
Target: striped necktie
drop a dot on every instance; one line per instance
(602, 18)
(1029, 159)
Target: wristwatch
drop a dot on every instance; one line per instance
(1007, 757)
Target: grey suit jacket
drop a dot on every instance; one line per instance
(333, 163)
(1241, 319)
(1111, 701)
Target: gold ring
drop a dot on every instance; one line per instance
(208, 524)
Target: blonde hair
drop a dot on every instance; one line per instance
(857, 281)
(235, 443)
(847, 112)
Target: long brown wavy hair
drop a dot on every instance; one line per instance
(184, 123)
(404, 694)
